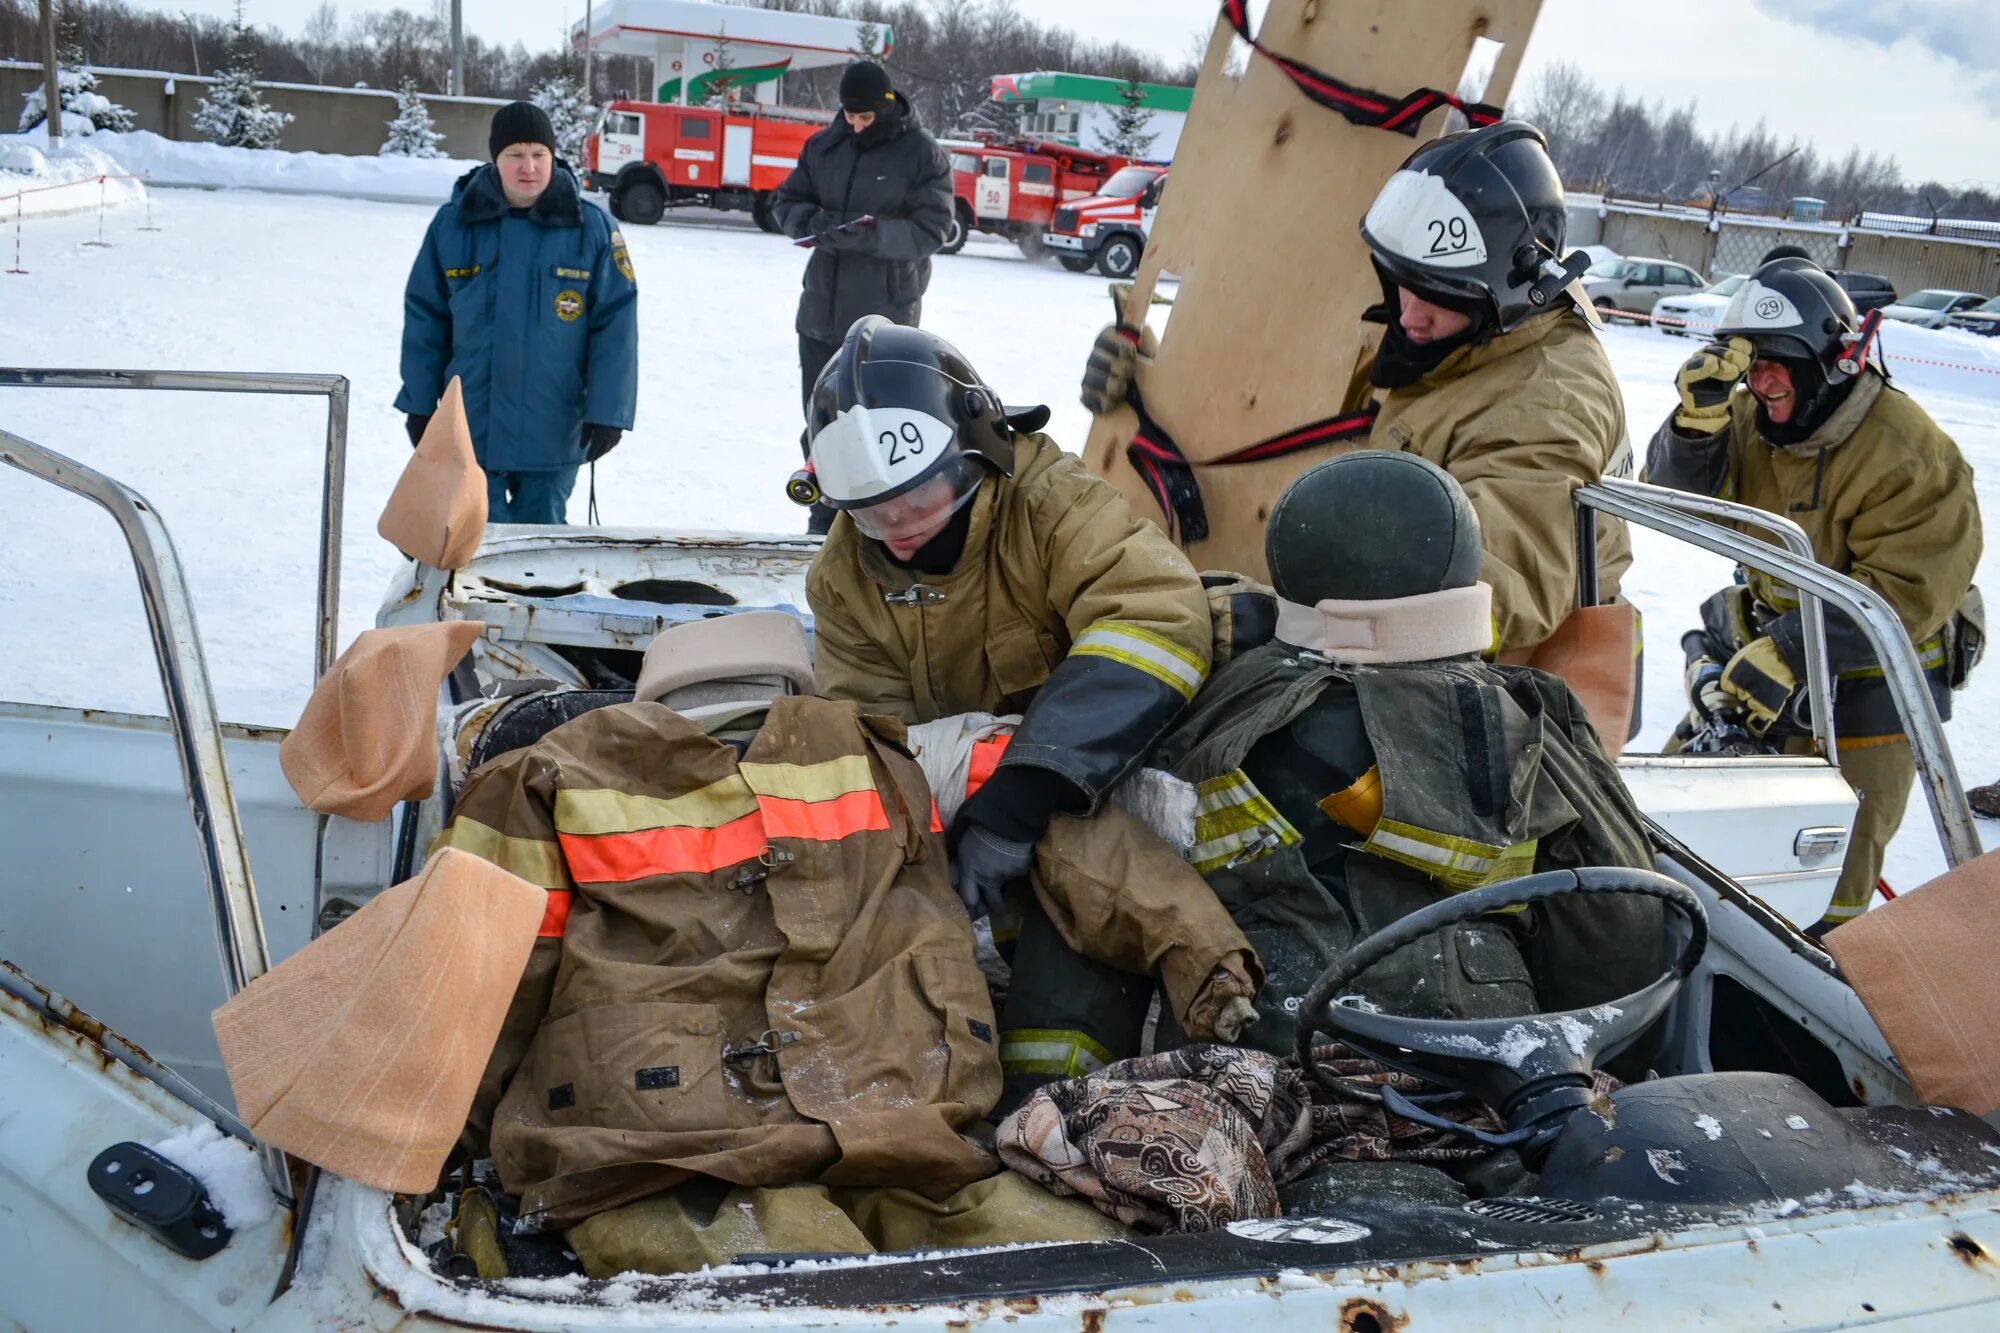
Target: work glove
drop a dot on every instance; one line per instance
(1705, 382)
(1705, 689)
(1758, 680)
(1107, 375)
(983, 865)
(599, 440)
(416, 425)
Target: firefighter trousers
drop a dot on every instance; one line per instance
(1881, 770)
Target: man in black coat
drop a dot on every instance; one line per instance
(874, 162)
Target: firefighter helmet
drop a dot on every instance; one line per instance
(1475, 221)
(1369, 526)
(1793, 312)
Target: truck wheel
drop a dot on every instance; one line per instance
(760, 210)
(1030, 244)
(956, 233)
(1077, 263)
(644, 202)
(617, 206)
(1119, 258)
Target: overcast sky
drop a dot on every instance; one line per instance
(1917, 78)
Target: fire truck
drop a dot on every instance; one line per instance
(652, 156)
(1109, 229)
(1013, 187)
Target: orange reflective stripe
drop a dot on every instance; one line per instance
(986, 756)
(825, 821)
(615, 858)
(937, 824)
(555, 915)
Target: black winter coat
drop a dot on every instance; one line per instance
(881, 269)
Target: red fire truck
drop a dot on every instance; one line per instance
(652, 156)
(1013, 187)
(1109, 229)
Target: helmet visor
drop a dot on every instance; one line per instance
(922, 511)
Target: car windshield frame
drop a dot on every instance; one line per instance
(1115, 187)
(1728, 286)
(1608, 268)
(1932, 298)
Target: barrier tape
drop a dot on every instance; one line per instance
(103, 202)
(1667, 321)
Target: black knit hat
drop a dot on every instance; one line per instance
(519, 122)
(865, 87)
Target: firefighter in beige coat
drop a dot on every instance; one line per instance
(753, 967)
(1488, 365)
(1886, 498)
(978, 568)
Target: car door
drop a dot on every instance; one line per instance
(1643, 288)
(990, 202)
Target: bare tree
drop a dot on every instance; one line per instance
(1565, 105)
(319, 40)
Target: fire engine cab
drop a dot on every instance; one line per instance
(652, 156)
(1013, 187)
(1109, 229)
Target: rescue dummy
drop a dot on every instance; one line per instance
(976, 567)
(1367, 761)
(753, 969)
(1819, 435)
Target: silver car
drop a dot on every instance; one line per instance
(1632, 286)
(1932, 307)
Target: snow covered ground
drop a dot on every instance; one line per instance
(242, 280)
(165, 161)
(34, 184)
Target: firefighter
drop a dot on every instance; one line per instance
(1488, 365)
(525, 293)
(1366, 762)
(1819, 435)
(978, 568)
(874, 190)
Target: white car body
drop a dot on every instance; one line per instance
(1931, 308)
(1698, 315)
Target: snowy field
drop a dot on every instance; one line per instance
(239, 280)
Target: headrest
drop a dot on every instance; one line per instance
(437, 513)
(762, 646)
(368, 736)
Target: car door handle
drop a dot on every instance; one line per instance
(1814, 844)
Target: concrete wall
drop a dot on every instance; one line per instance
(352, 121)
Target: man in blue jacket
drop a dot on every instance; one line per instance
(526, 294)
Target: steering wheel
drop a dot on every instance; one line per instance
(1533, 1069)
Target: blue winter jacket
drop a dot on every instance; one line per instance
(536, 313)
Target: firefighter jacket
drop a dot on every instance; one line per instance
(536, 313)
(755, 968)
(1887, 499)
(1521, 420)
(1337, 798)
(904, 183)
(1064, 607)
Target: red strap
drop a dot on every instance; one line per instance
(1361, 106)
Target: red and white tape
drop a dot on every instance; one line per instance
(1621, 316)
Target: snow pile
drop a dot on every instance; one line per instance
(172, 162)
(227, 1167)
(1946, 360)
(35, 184)
(84, 109)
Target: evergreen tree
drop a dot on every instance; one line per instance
(1128, 137)
(234, 113)
(84, 109)
(570, 112)
(721, 80)
(411, 133)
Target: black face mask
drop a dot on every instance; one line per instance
(883, 128)
(1813, 401)
(1399, 361)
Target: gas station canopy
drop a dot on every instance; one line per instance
(691, 43)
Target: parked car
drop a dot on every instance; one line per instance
(1983, 318)
(1698, 315)
(1931, 307)
(1634, 285)
(1868, 291)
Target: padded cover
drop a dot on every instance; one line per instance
(1923, 965)
(1593, 650)
(749, 645)
(368, 736)
(361, 1052)
(437, 513)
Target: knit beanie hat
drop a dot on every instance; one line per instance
(519, 122)
(865, 87)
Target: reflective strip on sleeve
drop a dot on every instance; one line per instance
(592, 812)
(619, 858)
(538, 862)
(985, 761)
(1460, 863)
(810, 782)
(555, 914)
(825, 821)
(1143, 650)
(1062, 1052)
(1234, 822)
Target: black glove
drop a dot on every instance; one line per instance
(827, 231)
(415, 425)
(599, 440)
(983, 865)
